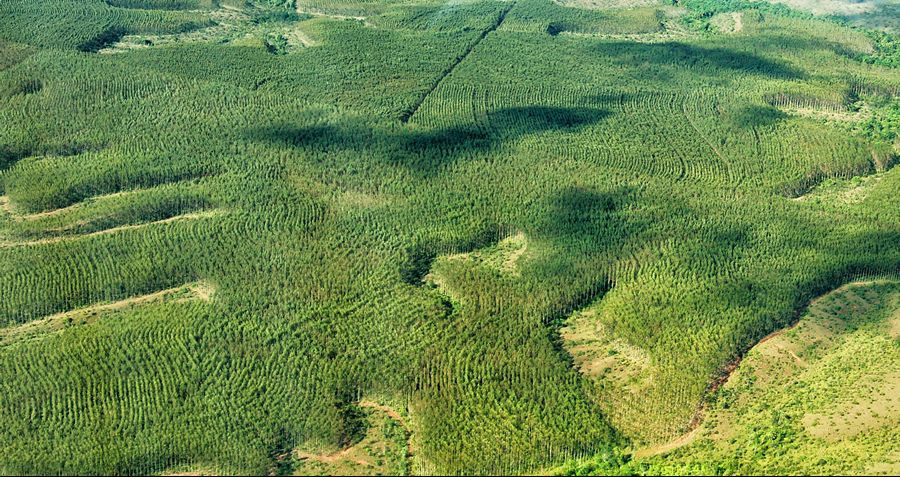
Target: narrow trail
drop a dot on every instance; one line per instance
(679, 441)
(406, 116)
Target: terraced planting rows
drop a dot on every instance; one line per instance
(474, 237)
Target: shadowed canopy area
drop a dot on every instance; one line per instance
(425, 151)
(702, 58)
(424, 237)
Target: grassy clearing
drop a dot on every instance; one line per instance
(276, 31)
(833, 7)
(842, 191)
(728, 22)
(826, 389)
(503, 257)
(381, 449)
(621, 372)
(876, 14)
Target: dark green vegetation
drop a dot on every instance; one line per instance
(321, 175)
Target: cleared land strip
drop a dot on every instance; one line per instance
(304, 10)
(69, 208)
(437, 82)
(200, 290)
(192, 216)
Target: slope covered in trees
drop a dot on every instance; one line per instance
(405, 204)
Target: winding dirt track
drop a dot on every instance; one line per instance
(727, 371)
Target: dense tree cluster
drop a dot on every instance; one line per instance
(652, 180)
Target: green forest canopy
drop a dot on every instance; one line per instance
(289, 187)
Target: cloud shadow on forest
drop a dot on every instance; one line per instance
(691, 56)
(426, 151)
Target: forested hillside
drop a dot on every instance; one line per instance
(464, 237)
